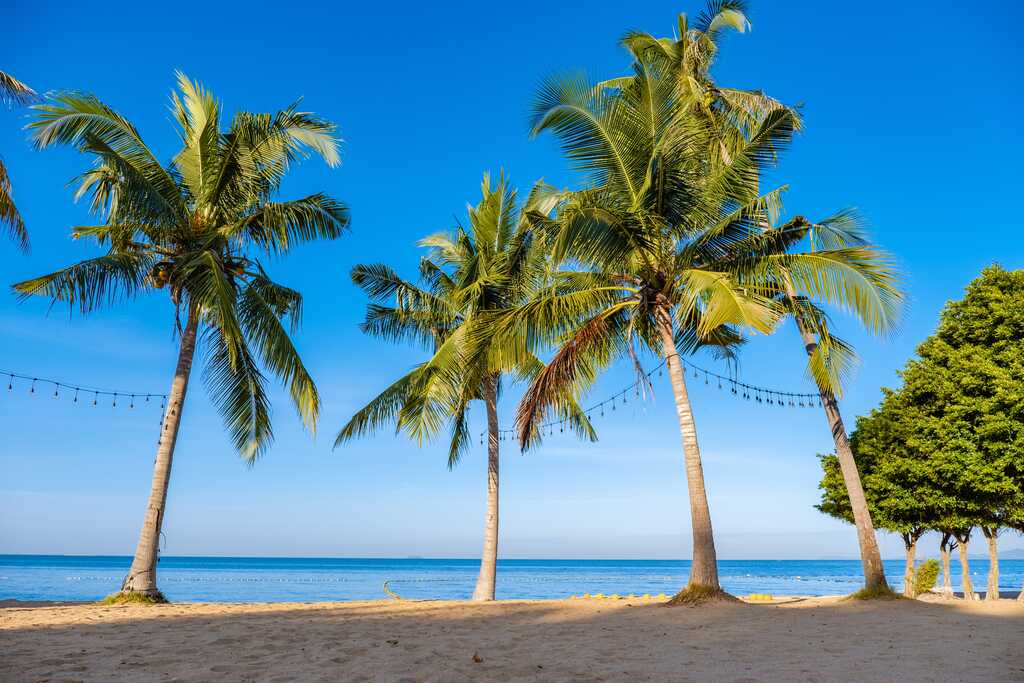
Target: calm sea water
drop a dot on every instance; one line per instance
(245, 579)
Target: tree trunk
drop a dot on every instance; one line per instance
(962, 541)
(489, 561)
(945, 546)
(142, 574)
(910, 544)
(704, 566)
(991, 535)
(871, 559)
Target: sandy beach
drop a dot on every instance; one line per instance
(815, 639)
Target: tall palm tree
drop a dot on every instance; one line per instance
(13, 93)
(861, 281)
(195, 229)
(650, 234)
(495, 262)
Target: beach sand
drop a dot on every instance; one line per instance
(816, 639)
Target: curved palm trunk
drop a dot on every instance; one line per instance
(704, 567)
(871, 559)
(945, 548)
(142, 575)
(489, 561)
(991, 535)
(962, 541)
(910, 544)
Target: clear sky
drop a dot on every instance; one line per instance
(911, 114)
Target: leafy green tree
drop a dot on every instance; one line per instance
(496, 262)
(902, 488)
(960, 414)
(971, 389)
(667, 239)
(195, 230)
(13, 93)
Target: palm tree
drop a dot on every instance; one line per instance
(653, 236)
(494, 263)
(861, 281)
(195, 229)
(13, 93)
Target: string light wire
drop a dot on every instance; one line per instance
(76, 389)
(750, 392)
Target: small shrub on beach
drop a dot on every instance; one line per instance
(925, 577)
(132, 598)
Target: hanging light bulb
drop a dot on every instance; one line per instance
(32, 389)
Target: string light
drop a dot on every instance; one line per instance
(58, 385)
(758, 394)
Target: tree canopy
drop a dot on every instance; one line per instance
(946, 450)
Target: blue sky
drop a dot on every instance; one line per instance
(909, 116)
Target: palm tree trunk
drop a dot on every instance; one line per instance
(871, 559)
(704, 566)
(991, 535)
(910, 543)
(962, 541)
(945, 546)
(142, 575)
(489, 561)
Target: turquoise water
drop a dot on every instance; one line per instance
(246, 579)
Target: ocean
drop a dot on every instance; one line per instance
(249, 579)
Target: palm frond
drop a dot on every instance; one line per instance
(93, 283)
(238, 390)
(198, 116)
(572, 370)
(261, 324)
(14, 93)
(382, 410)
(276, 226)
(9, 215)
(83, 121)
(860, 280)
